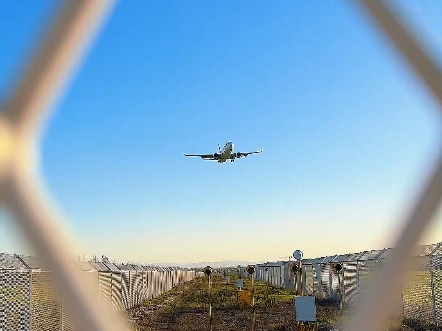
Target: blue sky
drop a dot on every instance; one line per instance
(347, 130)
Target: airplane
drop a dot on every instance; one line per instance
(226, 153)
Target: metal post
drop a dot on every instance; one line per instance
(298, 290)
(208, 273)
(357, 281)
(280, 275)
(318, 274)
(304, 280)
(141, 292)
(210, 302)
(344, 294)
(340, 296)
(267, 282)
(301, 290)
(253, 302)
(330, 282)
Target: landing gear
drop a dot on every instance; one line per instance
(232, 160)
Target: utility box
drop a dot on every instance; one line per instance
(305, 308)
(239, 283)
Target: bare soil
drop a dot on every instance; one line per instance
(186, 307)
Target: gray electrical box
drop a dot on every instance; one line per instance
(305, 308)
(239, 283)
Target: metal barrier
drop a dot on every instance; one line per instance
(419, 296)
(25, 111)
(30, 299)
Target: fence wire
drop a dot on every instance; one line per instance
(21, 191)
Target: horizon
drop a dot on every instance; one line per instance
(97, 258)
(348, 134)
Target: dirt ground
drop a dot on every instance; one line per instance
(186, 307)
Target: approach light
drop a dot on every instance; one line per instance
(338, 267)
(250, 269)
(294, 267)
(208, 271)
(297, 255)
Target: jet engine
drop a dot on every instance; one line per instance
(216, 155)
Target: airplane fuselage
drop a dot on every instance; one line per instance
(226, 152)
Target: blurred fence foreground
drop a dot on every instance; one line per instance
(22, 294)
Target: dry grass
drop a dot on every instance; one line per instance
(186, 307)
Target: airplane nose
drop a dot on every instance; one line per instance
(231, 146)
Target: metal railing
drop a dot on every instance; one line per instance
(21, 191)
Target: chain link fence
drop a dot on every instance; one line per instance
(31, 300)
(22, 119)
(419, 298)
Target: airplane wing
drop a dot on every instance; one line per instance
(203, 156)
(239, 154)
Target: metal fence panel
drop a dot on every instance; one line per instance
(105, 288)
(69, 322)
(437, 296)
(15, 292)
(325, 279)
(45, 302)
(309, 278)
(161, 283)
(417, 296)
(125, 289)
(150, 285)
(350, 282)
(334, 289)
(8, 261)
(131, 293)
(366, 272)
(154, 283)
(317, 284)
(117, 291)
(138, 288)
(145, 287)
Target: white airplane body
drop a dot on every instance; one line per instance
(226, 153)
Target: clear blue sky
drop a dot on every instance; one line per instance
(347, 130)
